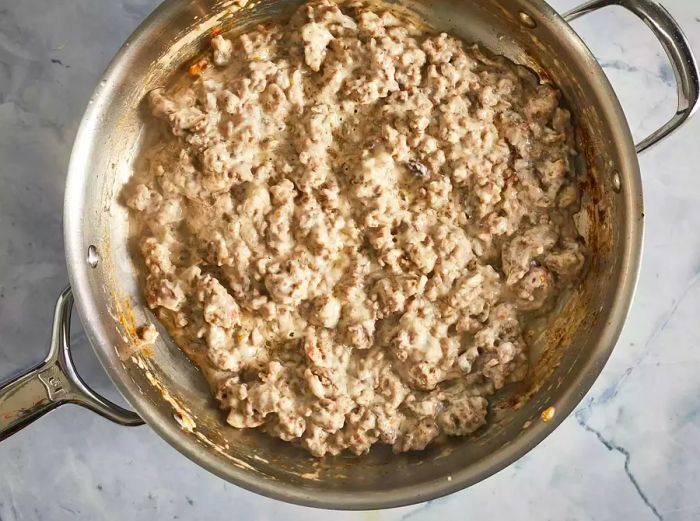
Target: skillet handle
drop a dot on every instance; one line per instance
(54, 382)
(674, 42)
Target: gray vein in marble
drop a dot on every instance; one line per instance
(666, 318)
(664, 73)
(611, 392)
(59, 62)
(13, 508)
(618, 65)
(70, 510)
(612, 446)
(418, 512)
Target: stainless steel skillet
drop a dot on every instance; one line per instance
(167, 391)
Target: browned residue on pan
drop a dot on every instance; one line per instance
(125, 316)
(576, 314)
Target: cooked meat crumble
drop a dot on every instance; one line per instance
(351, 217)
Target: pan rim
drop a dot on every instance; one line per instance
(580, 383)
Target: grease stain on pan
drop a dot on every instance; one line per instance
(576, 313)
(184, 417)
(314, 476)
(191, 35)
(548, 414)
(121, 310)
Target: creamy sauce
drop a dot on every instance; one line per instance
(347, 221)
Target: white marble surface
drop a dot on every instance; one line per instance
(631, 451)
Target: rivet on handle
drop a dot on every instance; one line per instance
(93, 256)
(526, 20)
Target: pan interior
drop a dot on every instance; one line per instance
(168, 390)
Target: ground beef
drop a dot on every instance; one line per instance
(351, 217)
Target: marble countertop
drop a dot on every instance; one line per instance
(630, 451)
